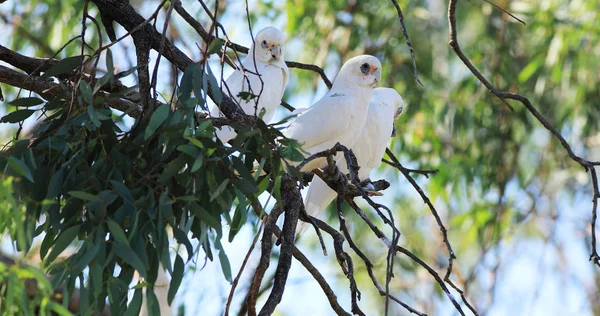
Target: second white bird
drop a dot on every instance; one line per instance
(384, 107)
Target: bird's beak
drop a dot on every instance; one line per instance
(394, 131)
(377, 73)
(276, 52)
(398, 112)
(373, 69)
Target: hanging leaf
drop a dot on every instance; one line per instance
(20, 167)
(84, 196)
(26, 102)
(176, 278)
(63, 240)
(64, 66)
(133, 309)
(158, 117)
(16, 116)
(129, 256)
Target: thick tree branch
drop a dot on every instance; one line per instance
(49, 90)
(292, 204)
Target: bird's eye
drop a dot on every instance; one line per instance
(365, 68)
(264, 44)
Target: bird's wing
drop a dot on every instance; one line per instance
(321, 124)
(370, 147)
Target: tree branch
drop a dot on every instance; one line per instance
(586, 164)
(49, 90)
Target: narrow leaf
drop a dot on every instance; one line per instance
(176, 278)
(16, 116)
(83, 196)
(26, 102)
(62, 241)
(158, 117)
(64, 66)
(129, 256)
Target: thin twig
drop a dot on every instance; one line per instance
(239, 275)
(586, 164)
(407, 38)
(425, 172)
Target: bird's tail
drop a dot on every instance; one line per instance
(317, 199)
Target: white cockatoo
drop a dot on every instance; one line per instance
(266, 59)
(386, 105)
(341, 114)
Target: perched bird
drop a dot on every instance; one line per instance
(264, 61)
(341, 114)
(386, 105)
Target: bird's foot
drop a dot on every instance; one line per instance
(374, 193)
(368, 186)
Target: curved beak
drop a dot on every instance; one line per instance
(276, 52)
(377, 73)
(373, 68)
(398, 112)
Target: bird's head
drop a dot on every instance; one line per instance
(268, 45)
(364, 70)
(390, 97)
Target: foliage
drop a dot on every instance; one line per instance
(19, 296)
(115, 192)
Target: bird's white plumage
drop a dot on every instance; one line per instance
(340, 115)
(265, 58)
(369, 149)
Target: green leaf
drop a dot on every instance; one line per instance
(204, 215)
(158, 117)
(215, 46)
(188, 149)
(219, 190)
(225, 265)
(93, 115)
(172, 169)
(133, 309)
(129, 256)
(84, 256)
(84, 196)
(246, 96)
(198, 162)
(117, 232)
(64, 66)
(176, 278)
(86, 91)
(152, 303)
(239, 218)
(110, 65)
(46, 244)
(122, 191)
(62, 241)
(58, 309)
(19, 166)
(55, 185)
(26, 102)
(182, 238)
(213, 85)
(16, 116)
(530, 69)
(185, 85)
